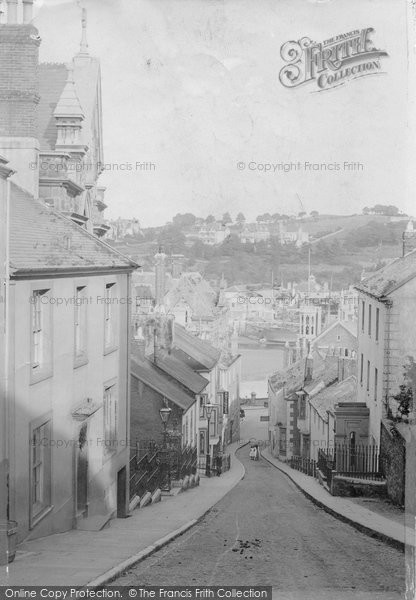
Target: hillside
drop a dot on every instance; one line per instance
(340, 248)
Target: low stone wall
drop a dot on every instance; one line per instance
(346, 486)
(393, 455)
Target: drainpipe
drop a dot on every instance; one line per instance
(128, 391)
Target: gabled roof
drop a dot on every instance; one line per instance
(336, 324)
(144, 370)
(44, 241)
(196, 353)
(344, 391)
(390, 277)
(182, 372)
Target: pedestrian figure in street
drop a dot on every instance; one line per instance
(257, 452)
(253, 453)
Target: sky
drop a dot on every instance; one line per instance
(192, 87)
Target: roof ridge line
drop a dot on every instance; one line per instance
(74, 225)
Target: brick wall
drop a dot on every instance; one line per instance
(145, 422)
(393, 453)
(19, 86)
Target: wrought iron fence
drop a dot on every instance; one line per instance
(360, 461)
(187, 462)
(305, 465)
(146, 474)
(153, 467)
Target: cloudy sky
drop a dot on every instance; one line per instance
(192, 86)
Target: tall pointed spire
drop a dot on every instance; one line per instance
(83, 51)
(69, 104)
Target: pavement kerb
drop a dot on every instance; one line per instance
(113, 573)
(367, 530)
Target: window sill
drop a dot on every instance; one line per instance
(40, 516)
(110, 350)
(38, 374)
(80, 361)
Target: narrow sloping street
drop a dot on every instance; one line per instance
(265, 532)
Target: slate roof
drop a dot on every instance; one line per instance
(197, 353)
(344, 391)
(52, 78)
(325, 372)
(390, 277)
(182, 372)
(44, 241)
(293, 377)
(149, 374)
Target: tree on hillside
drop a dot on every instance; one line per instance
(210, 219)
(302, 214)
(264, 218)
(366, 210)
(388, 210)
(172, 240)
(240, 219)
(185, 220)
(314, 214)
(226, 218)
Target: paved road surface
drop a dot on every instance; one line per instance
(265, 532)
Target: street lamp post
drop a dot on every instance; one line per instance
(164, 415)
(208, 412)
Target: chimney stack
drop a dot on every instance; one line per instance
(19, 95)
(11, 12)
(27, 11)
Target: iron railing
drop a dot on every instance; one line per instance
(187, 462)
(362, 461)
(153, 467)
(146, 474)
(305, 465)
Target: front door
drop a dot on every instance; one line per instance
(82, 472)
(121, 493)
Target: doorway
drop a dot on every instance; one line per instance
(121, 493)
(82, 472)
